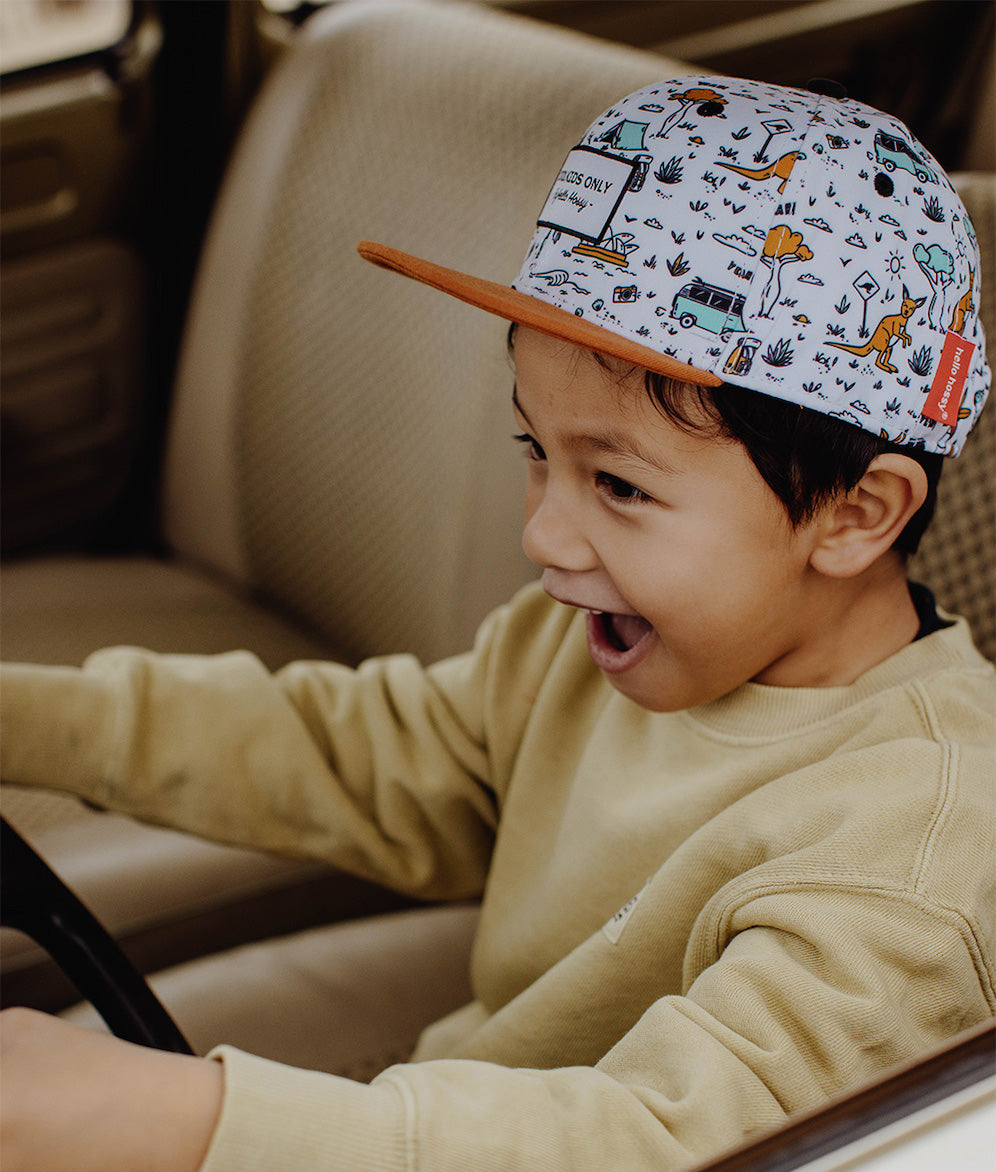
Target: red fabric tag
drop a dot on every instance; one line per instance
(949, 382)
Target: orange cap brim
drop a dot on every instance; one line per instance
(516, 306)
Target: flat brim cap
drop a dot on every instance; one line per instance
(790, 242)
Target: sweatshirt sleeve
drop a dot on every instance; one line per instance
(799, 1005)
(384, 770)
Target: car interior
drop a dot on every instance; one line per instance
(223, 430)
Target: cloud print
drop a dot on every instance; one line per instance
(849, 416)
(821, 224)
(809, 279)
(856, 241)
(889, 220)
(736, 242)
(758, 232)
(653, 223)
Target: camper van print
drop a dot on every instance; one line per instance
(710, 308)
(732, 227)
(892, 152)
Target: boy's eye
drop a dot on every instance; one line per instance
(619, 489)
(533, 450)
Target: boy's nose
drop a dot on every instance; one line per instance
(552, 537)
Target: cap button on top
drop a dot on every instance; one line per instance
(827, 87)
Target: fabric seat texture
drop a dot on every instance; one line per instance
(337, 480)
(353, 997)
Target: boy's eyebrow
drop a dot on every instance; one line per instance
(517, 403)
(610, 442)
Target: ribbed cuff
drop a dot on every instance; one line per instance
(278, 1119)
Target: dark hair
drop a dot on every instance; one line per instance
(805, 457)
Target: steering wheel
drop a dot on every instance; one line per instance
(38, 903)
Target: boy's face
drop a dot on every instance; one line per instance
(674, 537)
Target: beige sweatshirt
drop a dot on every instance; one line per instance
(692, 924)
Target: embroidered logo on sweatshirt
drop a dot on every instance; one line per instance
(614, 928)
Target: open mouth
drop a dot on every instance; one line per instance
(616, 642)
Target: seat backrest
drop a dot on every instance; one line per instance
(339, 433)
(957, 557)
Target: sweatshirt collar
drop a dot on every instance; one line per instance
(763, 710)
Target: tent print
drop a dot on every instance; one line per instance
(625, 135)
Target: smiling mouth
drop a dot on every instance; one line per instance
(617, 642)
(621, 631)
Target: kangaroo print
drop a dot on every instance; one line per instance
(795, 243)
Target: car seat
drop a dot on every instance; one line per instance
(336, 482)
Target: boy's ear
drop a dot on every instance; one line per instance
(855, 530)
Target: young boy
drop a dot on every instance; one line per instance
(723, 781)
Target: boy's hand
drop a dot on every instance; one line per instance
(80, 1100)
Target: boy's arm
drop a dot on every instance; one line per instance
(757, 1036)
(381, 770)
(811, 996)
(795, 1008)
(786, 1016)
(392, 771)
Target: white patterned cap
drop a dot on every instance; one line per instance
(794, 243)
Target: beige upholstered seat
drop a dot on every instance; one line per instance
(338, 481)
(957, 557)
